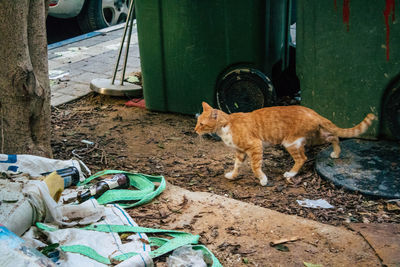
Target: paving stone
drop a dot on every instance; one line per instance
(82, 61)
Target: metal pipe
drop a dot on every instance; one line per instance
(131, 5)
(128, 43)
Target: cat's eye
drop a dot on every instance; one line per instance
(201, 124)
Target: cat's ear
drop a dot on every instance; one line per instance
(206, 106)
(214, 114)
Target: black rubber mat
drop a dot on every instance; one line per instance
(370, 167)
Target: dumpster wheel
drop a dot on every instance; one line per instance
(392, 112)
(244, 90)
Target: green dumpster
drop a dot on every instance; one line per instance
(190, 48)
(348, 61)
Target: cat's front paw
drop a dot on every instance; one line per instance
(264, 180)
(334, 155)
(289, 175)
(230, 175)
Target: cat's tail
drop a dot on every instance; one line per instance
(350, 132)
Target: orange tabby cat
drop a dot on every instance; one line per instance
(291, 126)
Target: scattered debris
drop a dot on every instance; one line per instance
(233, 231)
(87, 142)
(319, 203)
(393, 205)
(132, 79)
(57, 74)
(282, 248)
(186, 256)
(284, 240)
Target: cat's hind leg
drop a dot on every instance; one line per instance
(239, 158)
(256, 153)
(296, 150)
(326, 136)
(334, 140)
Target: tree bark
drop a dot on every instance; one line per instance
(24, 85)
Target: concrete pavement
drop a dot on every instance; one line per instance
(75, 62)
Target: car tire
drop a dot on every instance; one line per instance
(244, 89)
(99, 14)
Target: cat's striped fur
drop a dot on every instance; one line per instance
(291, 126)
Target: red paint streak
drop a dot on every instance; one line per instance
(346, 13)
(388, 10)
(335, 3)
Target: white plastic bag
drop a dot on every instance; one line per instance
(35, 165)
(107, 245)
(25, 202)
(186, 256)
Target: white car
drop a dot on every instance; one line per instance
(91, 14)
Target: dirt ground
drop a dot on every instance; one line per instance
(138, 140)
(240, 234)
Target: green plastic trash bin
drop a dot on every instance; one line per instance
(193, 50)
(348, 61)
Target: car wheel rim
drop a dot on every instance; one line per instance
(114, 11)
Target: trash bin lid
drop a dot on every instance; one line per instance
(370, 167)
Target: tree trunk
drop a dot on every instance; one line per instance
(24, 85)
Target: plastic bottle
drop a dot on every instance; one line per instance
(118, 181)
(70, 175)
(16, 252)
